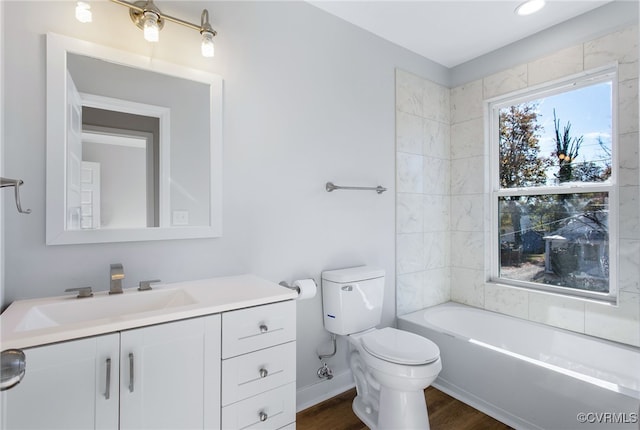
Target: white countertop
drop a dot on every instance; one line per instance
(210, 296)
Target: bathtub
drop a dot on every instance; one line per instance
(529, 375)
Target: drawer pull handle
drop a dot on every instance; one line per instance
(263, 416)
(131, 372)
(107, 391)
(264, 373)
(263, 328)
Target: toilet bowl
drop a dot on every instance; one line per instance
(391, 367)
(394, 368)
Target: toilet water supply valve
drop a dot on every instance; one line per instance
(324, 372)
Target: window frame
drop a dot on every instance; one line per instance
(492, 107)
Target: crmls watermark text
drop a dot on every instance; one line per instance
(607, 417)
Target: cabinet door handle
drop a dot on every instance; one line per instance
(107, 390)
(131, 372)
(263, 416)
(264, 373)
(263, 328)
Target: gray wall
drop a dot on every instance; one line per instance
(308, 99)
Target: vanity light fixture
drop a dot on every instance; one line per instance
(147, 16)
(83, 12)
(529, 7)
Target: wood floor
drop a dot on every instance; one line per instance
(445, 413)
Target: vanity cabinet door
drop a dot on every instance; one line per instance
(170, 375)
(65, 387)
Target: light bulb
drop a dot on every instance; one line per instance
(150, 26)
(207, 44)
(83, 12)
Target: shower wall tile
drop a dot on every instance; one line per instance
(629, 218)
(505, 82)
(436, 288)
(436, 250)
(467, 175)
(629, 266)
(628, 106)
(621, 46)
(628, 146)
(409, 213)
(467, 286)
(436, 176)
(436, 103)
(437, 139)
(409, 93)
(466, 102)
(467, 212)
(619, 323)
(423, 140)
(436, 212)
(467, 249)
(557, 311)
(628, 71)
(409, 133)
(409, 294)
(467, 139)
(562, 63)
(505, 300)
(410, 252)
(409, 173)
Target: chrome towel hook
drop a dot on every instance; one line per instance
(15, 183)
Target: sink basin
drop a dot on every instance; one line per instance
(70, 310)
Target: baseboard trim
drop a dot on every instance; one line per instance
(323, 390)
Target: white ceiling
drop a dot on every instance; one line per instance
(451, 32)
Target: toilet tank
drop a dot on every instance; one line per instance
(352, 299)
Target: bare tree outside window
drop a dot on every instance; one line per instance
(554, 238)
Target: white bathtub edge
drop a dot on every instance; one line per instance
(483, 406)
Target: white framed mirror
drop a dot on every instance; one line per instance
(134, 147)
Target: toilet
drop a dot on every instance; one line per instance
(391, 367)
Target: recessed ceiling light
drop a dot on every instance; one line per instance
(529, 7)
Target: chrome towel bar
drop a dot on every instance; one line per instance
(330, 186)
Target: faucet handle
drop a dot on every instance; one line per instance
(116, 271)
(146, 285)
(82, 292)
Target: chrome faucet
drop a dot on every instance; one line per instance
(117, 275)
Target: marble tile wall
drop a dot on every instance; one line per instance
(469, 227)
(443, 222)
(422, 186)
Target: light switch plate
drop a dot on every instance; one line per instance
(180, 218)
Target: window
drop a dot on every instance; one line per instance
(553, 193)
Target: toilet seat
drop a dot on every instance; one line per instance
(400, 347)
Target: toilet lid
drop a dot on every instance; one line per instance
(400, 347)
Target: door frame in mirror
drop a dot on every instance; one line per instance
(56, 234)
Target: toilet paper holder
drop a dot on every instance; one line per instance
(286, 285)
(305, 288)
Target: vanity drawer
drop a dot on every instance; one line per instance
(271, 410)
(260, 327)
(250, 374)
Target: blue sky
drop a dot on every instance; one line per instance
(589, 111)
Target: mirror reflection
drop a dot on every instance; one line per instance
(140, 146)
(130, 118)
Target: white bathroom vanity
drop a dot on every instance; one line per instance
(210, 354)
